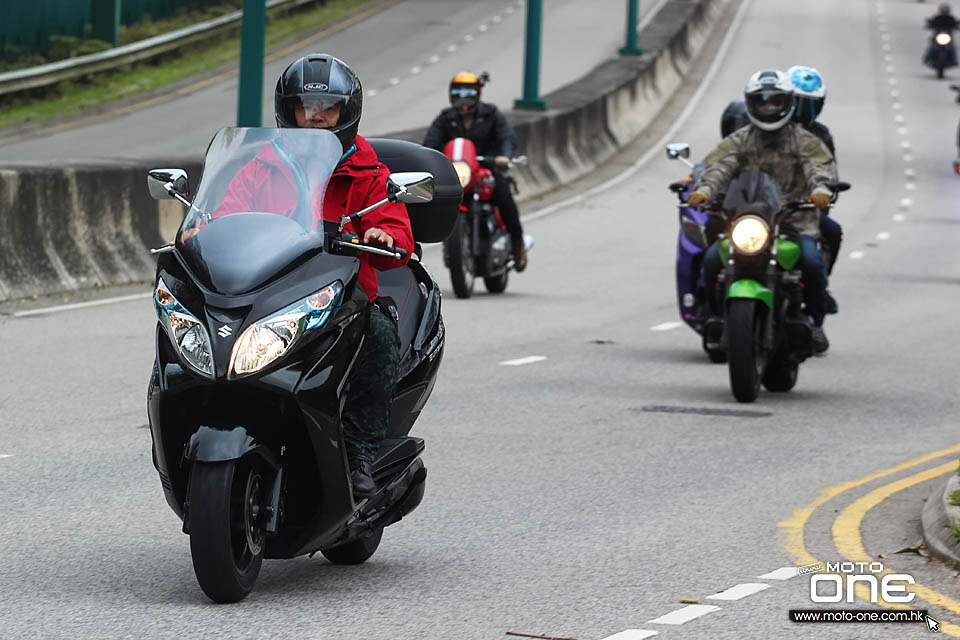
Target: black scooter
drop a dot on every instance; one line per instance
(260, 321)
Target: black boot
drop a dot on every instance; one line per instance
(820, 342)
(519, 255)
(363, 485)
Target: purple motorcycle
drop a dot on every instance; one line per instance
(698, 230)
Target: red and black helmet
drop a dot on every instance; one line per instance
(320, 80)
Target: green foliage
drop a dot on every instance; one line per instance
(955, 530)
(955, 498)
(62, 47)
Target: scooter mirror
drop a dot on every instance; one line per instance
(411, 187)
(677, 150)
(162, 181)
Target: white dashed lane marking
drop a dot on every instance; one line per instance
(739, 591)
(666, 326)
(883, 235)
(910, 186)
(632, 634)
(522, 361)
(452, 48)
(6, 455)
(856, 255)
(783, 573)
(899, 217)
(688, 613)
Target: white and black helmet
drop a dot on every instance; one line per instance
(769, 99)
(323, 80)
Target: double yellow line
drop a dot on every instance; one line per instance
(846, 527)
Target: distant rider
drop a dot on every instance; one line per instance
(797, 160)
(488, 128)
(943, 20)
(320, 91)
(810, 94)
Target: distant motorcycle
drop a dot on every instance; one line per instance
(480, 244)
(941, 52)
(260, 321)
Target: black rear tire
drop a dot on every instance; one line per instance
(497, 284)
(460, 259)
(780, 376)
(356, 552)
(744, 354)
(226, 514)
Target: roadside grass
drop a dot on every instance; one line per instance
(69, 97)
(955, 498)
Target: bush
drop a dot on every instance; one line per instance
(63, 47)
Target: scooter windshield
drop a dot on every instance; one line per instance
(259, 206)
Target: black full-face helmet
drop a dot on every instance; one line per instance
(944, 8)
(320, 81)
(734, 117)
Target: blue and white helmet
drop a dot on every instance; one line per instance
(810, 93)
(769, 99)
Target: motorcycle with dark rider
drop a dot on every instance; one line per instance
(260, 319)
(480, 243)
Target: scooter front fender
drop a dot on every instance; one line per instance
(209, 444)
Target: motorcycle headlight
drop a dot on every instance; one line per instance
(750, 235)
(463, 172)
(187, 334)
(263, 342)
(943, 39)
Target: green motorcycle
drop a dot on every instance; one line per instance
(765, 329)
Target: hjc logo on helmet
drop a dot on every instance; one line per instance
(315, 86)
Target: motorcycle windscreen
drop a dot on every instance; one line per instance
(259, 206)
(753, 192)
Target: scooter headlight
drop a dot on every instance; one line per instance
(463, 172)
(187, 334)
(750, 235)
(943, 39)
(263, 342)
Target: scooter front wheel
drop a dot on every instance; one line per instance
(227, 514)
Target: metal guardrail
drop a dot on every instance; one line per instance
(47, 74)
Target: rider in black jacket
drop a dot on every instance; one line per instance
(488, 128)
(943, 20)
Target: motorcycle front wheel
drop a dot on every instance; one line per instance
(460, 259)
(744, 354)
(227, 515)
(496, 284)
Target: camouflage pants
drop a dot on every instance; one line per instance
(366, 414)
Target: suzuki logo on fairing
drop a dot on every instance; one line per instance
(224, 331)
(315, 86)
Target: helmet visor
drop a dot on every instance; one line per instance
(320, 110)
(769, 106)
(464, 98)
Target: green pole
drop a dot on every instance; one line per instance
(633, 19)
(105, 20)
(253, 36)
(531, 64)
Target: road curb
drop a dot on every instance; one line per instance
(936, 519)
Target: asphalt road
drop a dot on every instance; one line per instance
(558, 503)
(404, 55)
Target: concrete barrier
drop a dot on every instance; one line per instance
(77, 227)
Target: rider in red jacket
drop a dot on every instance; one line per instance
(319, 91)
(265, 184)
